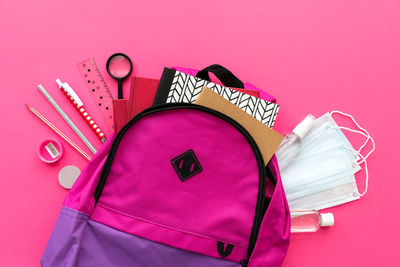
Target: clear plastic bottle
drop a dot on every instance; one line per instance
(304, 221)
(290, 146)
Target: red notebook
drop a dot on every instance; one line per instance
(120, 108)
(142, 93)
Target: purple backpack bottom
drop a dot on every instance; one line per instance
(79, 241)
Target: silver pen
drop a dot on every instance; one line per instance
(67, 119)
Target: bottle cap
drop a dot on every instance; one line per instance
(327, 219)
(304, 126)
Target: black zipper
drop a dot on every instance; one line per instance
(260, 207)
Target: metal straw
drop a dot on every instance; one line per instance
(67, 119)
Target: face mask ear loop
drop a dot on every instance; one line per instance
(366, 175)
(355, 122)
(364, 159)
(366, 134)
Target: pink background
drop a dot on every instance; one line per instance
(314, 56)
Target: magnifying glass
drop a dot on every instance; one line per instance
(119, 66)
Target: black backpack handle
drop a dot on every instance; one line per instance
(223, 74)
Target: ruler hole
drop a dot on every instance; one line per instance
(99, 104)
(88, 81)
(101, 97)
(88, 70)
(107, 108)
(93, 90)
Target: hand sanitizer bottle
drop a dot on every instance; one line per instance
(309, 220)
(290, 146)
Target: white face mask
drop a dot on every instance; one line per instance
(322, 173)
(325, 134)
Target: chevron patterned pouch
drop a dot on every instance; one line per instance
(179, 87)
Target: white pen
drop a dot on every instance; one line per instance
(78, 104)
(67, 119)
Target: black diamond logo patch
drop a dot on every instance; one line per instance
(186, 165)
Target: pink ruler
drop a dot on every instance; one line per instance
(98, 89)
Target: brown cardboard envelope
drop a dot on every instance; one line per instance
(267, 139)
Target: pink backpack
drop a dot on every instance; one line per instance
(180, 185)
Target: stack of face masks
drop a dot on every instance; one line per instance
(322, 173)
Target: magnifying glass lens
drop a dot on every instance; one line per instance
(119, 66)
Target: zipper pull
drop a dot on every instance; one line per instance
(244, 262)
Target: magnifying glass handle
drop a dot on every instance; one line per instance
(120, 89)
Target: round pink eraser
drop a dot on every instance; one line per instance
(50, 150)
